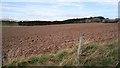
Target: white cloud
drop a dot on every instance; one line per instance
(58, 5)
(88, 0)
(7, 6)
(60, 1)
(67, 2)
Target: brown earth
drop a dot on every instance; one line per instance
(28, 40)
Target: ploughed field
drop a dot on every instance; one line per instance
(35, 40)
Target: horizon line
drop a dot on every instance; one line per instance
(54, 20)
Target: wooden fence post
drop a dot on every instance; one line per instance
(79, 49)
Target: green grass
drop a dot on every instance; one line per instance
(23, 63)
(33, 60)
(62, 55)
(92, 55)
(91, 46)
(39, 59)
(105, 61)
(13, 63)
(105, 55)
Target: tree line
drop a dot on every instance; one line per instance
(98, 19)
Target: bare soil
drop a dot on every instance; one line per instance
(35, 40)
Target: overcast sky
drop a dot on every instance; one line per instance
(60, 10)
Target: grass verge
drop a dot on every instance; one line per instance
(92, 55)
